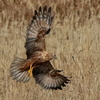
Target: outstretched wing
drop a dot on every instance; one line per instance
(49, 78)
(39, 27)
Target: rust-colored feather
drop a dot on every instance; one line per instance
(20, 67)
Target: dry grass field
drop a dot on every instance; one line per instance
(74, 38)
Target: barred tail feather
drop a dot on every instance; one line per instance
(16, 73)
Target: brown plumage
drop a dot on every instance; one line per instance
(35, 45)
(39, 27)
(38, 59)
(48, 77)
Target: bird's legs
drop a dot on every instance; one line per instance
(30, 70)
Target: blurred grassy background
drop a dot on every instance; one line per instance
(74, 38)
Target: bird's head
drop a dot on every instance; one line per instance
(49, 56)
(52, 56)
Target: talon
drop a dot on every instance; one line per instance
(30, 70)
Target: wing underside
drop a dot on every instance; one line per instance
(49, 78)
(39, 27)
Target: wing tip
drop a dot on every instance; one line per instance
(40, 9)
(45, 8)
(49, 9)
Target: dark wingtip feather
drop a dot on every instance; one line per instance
(63, 85)
(52, 17)
(55, 88)
(48, 31)
(40, 9)
(45, 8)
(34, 17)
(67, 81)
(60, 88)
(49, 10)
(35, 12)
(32, 21)
(59, 70)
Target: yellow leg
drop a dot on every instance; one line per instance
(30, 70)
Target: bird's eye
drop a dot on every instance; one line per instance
(55, 57)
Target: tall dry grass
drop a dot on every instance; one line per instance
(74, 38)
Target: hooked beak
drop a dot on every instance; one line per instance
(55, 57)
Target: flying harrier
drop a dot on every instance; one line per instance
(38, 59)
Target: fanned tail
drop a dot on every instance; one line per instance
(16, 73)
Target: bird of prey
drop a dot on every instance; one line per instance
(38, 59)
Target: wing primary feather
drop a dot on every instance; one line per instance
(45, 7)
(63, 85)
(40, 9)
(39, 27)
(48, 77)
(34, 18)
(59, 87)
(36, 13)
(45, 13)
(49, 10)
(48, 31)
(51, 19)
(37, 19)
(35, 23)
(40, 12)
